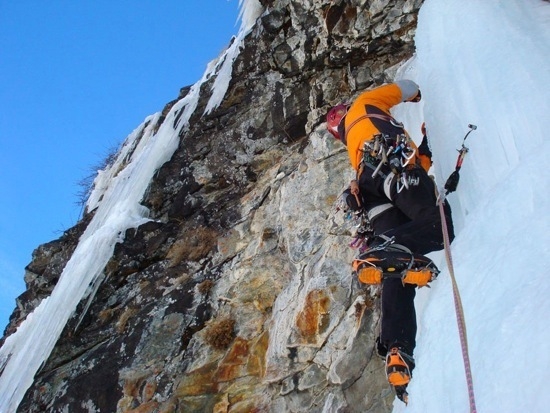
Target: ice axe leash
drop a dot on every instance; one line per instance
(450, 186)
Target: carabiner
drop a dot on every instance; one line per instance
(408, 158)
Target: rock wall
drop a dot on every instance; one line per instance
(237, 296)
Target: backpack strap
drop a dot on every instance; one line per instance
(386, 118)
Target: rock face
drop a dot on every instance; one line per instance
(237, 296)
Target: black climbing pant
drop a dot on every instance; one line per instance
(415, 222)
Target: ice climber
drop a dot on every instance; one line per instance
(393, 189)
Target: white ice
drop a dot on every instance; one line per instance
(487, 63)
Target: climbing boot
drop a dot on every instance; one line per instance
(398, 371)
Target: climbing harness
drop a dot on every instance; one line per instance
(379, 151)
(459, 310)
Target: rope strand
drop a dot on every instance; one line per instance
(458, 310)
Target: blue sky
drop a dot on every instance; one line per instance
(76, 77)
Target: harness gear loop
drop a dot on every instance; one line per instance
(388, 181)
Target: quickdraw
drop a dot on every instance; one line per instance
(361, 223)
(363, 232)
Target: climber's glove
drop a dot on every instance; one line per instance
(452, 182)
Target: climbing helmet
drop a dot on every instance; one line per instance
(334, 117)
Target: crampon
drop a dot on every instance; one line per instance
(398, 372)
(394, 261)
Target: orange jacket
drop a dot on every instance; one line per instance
(359, 128)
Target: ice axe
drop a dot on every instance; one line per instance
(452, 180)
